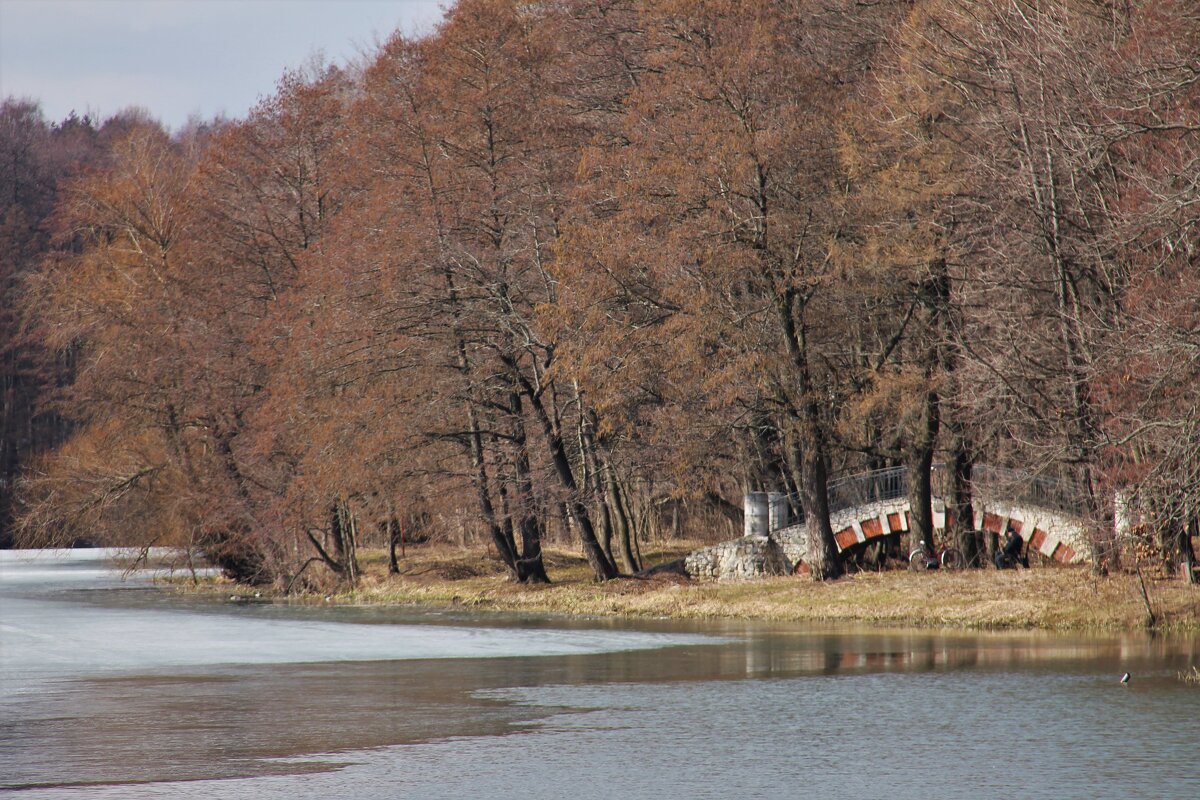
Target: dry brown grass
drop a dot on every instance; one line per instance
(1048, 598)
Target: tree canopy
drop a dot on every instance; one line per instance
(574, 268)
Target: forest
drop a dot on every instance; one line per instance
(587, 270)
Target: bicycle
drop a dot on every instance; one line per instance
(925, 558)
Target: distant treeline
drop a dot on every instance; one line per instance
(593, 268)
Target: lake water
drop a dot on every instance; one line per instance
(111, 688)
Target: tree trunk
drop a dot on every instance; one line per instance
(808, 453)
(624, 526)
(504, 544)
(342, 532)
(530, 566)
(395, 538)
(1105, 548)
(934, 293)
(961, 508)
(239, 558)
(604, 507)
(920, 488)
(601, 565)
(823, 557)
(594, 476)
(1187, 531)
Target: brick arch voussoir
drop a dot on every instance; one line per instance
(1024, 524)
(855, 527)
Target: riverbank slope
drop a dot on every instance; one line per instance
(1047, 598)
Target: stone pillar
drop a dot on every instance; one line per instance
(758, 515)
(1122, 516)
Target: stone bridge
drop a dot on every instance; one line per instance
(874, 505)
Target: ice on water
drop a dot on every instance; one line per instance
(47, 634)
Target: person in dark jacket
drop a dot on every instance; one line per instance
(1010, 555)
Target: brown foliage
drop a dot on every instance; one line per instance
(579, 266)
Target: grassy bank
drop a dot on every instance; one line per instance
(1050, 598)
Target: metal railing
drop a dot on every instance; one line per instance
(1017, 486)
(867, 487)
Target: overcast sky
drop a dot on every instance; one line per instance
(177, 58)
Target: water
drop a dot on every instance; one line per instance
(113, 689)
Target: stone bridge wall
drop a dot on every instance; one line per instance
(1051, 533)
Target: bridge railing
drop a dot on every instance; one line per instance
(1044, 491)
(856, 490)
(987, 482)
(868, 487)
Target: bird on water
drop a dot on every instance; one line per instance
(1125, 678)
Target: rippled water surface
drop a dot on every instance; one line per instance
(112, 689)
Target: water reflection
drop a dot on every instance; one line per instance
(701, 710)
(919, 651)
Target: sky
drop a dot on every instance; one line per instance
(182, 58)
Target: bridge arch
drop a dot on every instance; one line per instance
(1052, 533)
(874, 505)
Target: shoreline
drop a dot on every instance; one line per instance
(1049, 598)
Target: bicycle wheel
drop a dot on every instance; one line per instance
(952, 558)
(917, 560)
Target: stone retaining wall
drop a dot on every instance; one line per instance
(740, 559)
